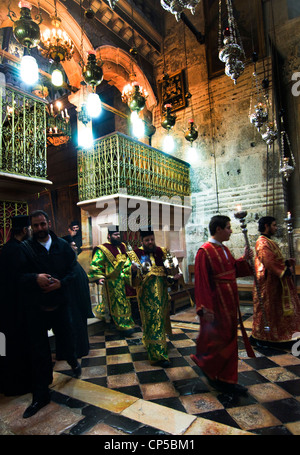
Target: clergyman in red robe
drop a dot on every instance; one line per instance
(281, 304)
(217, 304)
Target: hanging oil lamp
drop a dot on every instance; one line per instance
(168, 120)
(286, 169)
(191, 134)
(260, 115)
(270, 135)
(134, 96)
(112, 3)
(231, 52)
(25, 29)
(176, 7)
(92, 71)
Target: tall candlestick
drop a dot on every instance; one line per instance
(289, 224)
(241, 216)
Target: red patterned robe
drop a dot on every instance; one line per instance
(278, 292)
(216, 291)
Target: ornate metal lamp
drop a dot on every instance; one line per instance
(191, 134)
(112, 3)
(25, 29)
(134, 96)
(232, 52)
(168, 119)
(176, 7)
(270, 134)
(92, 71)
(260, 115)
(286, 169)
(93, 75)
(56, 45)
(27, 33)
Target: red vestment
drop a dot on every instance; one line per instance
(279, 295)
(216, 291)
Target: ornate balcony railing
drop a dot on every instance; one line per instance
(118, 162)
(23, 143)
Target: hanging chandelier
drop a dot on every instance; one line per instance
(176, 7)
(231, 52)
(58, 125)
(56, 45)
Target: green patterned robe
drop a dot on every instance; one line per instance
(113, 264)
(154, 304)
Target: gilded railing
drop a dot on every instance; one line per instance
(22, 134)
(118, 162)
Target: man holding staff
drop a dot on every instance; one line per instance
(275, 277)
(217, 304)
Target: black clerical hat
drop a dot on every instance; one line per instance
(145, 231)
(112, 229)
(20, 221)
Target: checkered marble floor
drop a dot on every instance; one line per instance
(121, 393)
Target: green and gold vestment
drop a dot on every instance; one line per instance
(154, 302)
(112, 263)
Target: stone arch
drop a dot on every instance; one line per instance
(117, 63)
(117, 66)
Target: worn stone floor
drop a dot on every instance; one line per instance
(121, 394)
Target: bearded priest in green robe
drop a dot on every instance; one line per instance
(152, 282)
(112, 268)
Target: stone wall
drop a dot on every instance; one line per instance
(232, 165)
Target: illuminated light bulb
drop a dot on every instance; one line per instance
(138, 127)
(29, 70)
(85, 137)
(169, 144)
(191, 154)
(57, 78)
(93, 105)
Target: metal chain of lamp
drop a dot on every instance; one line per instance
(231, 52)
(27, 33)
(260, 117)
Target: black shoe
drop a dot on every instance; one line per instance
(77, 371)
(127, 332)
(162, 363)
(226, 387)
(35, 407)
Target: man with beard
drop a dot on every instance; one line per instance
(278, 291)
(15, 377)
(153, 298)
(112, 268)
(47, 271)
